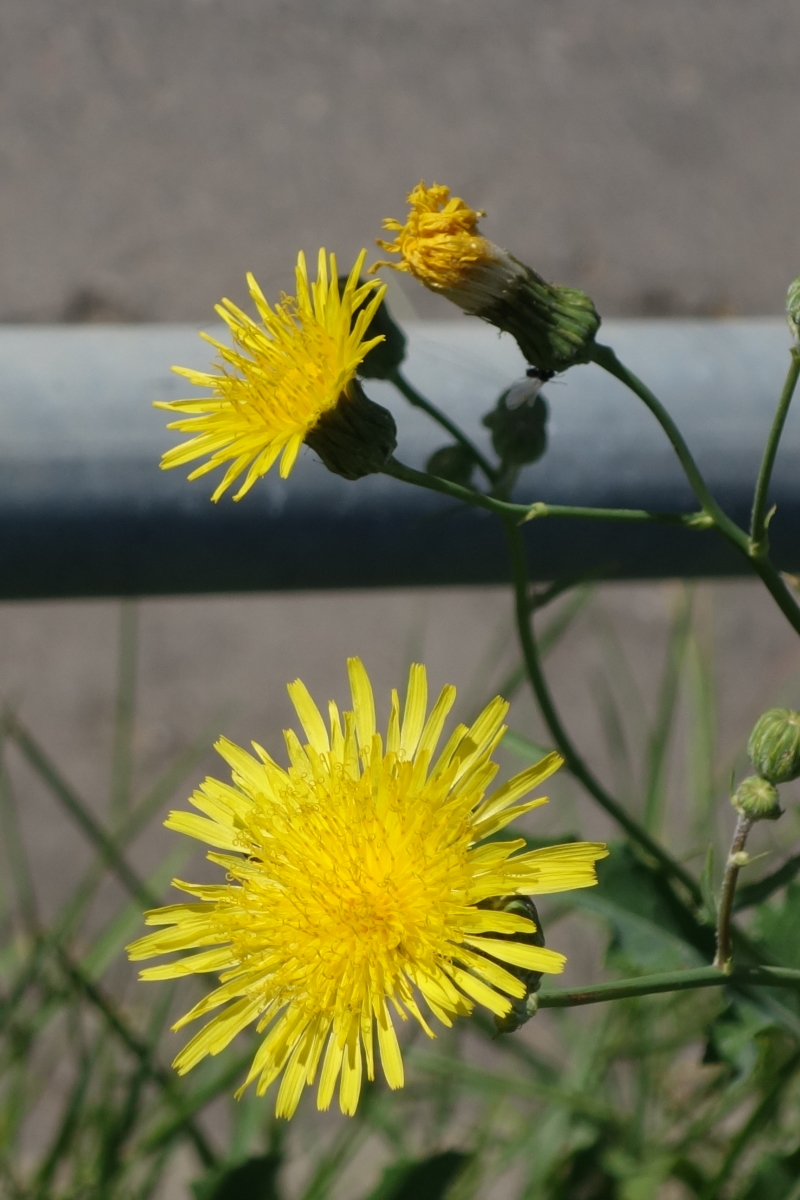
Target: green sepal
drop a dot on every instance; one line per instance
(525, 1007)
(519, 435)
(454, 463)
(384, 359)
(357, 437)
(774, 745)
(553, 326)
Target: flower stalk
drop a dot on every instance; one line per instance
(759, 541)
(723, 960)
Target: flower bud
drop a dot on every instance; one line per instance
(382, 360)
(356, 437)
(757, 799)
(774, 745)
(518, 424)
(524, 1008)
(793, 308)
(454, 463)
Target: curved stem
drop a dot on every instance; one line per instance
(605, 357)
(771, 578)
(759, 518)
(559, 734)
(672, 981)
(529, 512)
(418, 401)
(724, 955)
(752, 549)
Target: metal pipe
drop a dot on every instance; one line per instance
(85, 510)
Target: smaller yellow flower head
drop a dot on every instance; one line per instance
(357, 889)
(279, 377)
(440, 244)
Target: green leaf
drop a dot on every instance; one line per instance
(425, 1179)
(648, 922)
(776, 927)
(750, 894)
(776, 1178)
(255, 1179)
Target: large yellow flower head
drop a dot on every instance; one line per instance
(440, 245)
(279, 378)
(360, 885)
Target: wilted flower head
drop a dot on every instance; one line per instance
(357, 889)
(279, 379)
(440, 245)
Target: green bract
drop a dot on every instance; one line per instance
(757, 799)
(774, 745)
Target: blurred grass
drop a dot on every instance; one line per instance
(669, 1097)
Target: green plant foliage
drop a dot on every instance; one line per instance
(428, 1179)
(255, 1179)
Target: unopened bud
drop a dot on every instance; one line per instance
(355, 438)
(793, 308)
(774, 745)
(454, 463)
(383, 359)
(757, 799)
(518, 424)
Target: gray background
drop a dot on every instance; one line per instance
(152, 151)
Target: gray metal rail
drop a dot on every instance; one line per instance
(85, 511)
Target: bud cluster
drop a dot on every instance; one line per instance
(774, 751)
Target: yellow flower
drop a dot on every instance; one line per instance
(441, 247)
(279, 379)
(357, 880)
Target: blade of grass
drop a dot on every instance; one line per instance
(111, 941)
(661, 734)
(140, 1049)
(72, 803)
(16, 853)
(124, 709)
(75, 907)
(702, 706)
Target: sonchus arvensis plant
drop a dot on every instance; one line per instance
(359, 889)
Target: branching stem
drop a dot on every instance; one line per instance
(759, 543)
(670, 981)
(723, 960)
(417, 400)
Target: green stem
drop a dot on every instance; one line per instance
(670, 981)
(724, 955)
(563, 743)
(759, 520)
(416, 399)
(605, 357)
(527, 512)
